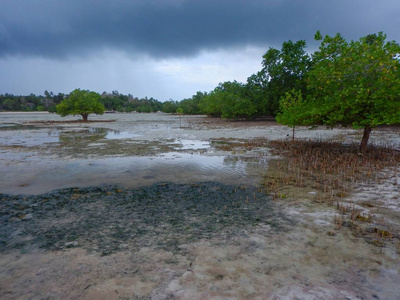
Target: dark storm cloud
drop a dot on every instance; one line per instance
(167, 28)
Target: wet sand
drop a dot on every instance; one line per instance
(255, 260)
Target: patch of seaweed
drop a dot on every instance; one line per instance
(109, 219)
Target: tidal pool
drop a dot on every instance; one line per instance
(129, 153)
(31, 176)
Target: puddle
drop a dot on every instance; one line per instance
(29, 136)
(120, 135)
(192, 144)
(14, 126)
(43, 176)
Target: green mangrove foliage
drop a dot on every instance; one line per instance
(191, 105)
(354, 83)
(81, 102)
(283, 70)
(290, 115)
(31, 102)
(116, 101)
(228, 100)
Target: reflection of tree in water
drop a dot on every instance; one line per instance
(83, 136)
(15, 126)
(249, 165)
(234, 161)
(54, 131)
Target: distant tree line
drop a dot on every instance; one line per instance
(127, 103)
(113, 101)
(46, 102)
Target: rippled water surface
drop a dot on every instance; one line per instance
(34, 157)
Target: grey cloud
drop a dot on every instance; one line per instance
(174, 28)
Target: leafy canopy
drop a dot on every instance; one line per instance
(284, 70)
(356, 83)
(228, 100)
(289, 106)
(81, 102)
(289, 113)
(353, 83)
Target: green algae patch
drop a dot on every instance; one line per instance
(109, 219)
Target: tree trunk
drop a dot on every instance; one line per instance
(365, 138)
(85, 117)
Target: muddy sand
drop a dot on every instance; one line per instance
(155, 206)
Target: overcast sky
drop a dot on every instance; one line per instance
(166, 49)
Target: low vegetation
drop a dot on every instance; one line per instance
(330, 168)
(326, 173)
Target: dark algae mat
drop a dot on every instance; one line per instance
(108, 219)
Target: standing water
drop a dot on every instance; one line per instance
(135, 150)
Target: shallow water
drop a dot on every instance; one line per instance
(39, 159)
(31, 176)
